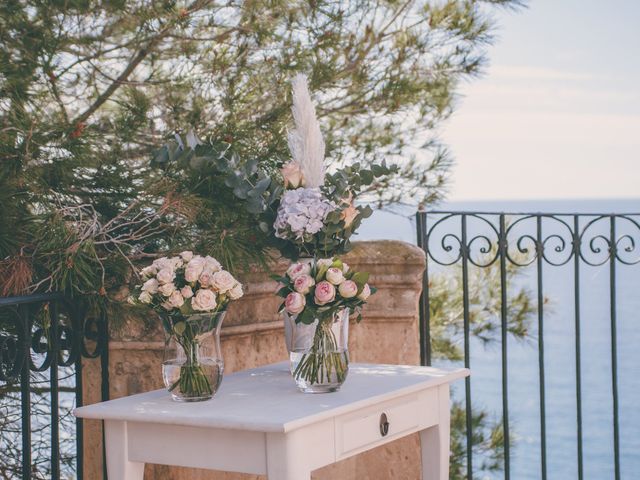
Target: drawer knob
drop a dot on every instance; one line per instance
(384, 425)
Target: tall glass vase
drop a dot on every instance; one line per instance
(318, 352)
(193, 366)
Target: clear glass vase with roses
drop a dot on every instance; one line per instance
(190, 293)
(318, 298)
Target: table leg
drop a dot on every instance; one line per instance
(118, 465)
(284, 460)
(435, 441)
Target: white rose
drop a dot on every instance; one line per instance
(212, 264)
(145, 297)
(335, 276)
(167, 289)
(297, 269)
(187, 255)
(150, 286)
(186, 292)
(204, 300)
(365, 293)
(166, 275)
(176, 299)
(160, 263)
(223, 281)
(348, 289)
(236, 292)
(149, 271)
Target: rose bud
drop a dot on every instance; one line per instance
(324, 293)
(365, 293)
(294, 303)
(292, 175)
(297, 269)
(335, 276)
(348, 289)
(303, 284)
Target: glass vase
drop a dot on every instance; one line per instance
(318, 352)
(193, 366)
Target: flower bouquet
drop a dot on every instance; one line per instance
(191, 294)
(318, 297)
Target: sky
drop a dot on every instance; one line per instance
(557, 113)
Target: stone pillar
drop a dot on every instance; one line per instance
(253, 335)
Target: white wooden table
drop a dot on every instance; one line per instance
(259, 423)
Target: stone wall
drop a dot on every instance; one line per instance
(253, 336)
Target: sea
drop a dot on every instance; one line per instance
(559, 346)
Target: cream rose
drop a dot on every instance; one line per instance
(167, 289)
(145, 297)
(365, 293)
(297, 269)
(345, 267)
(348, 289)
(303, 283)
(335, 276)
(236, 292)
(294, 303)
(324, 262)
(292, 175)
(212, 264)
(324, 293)
(223, 281)
(151, 286)
(204, 300)
(186, 291)
(187, 255)
(166, 275)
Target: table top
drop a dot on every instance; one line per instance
(266, 399)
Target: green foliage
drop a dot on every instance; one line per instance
(88, 89)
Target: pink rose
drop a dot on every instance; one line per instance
(191, 274)
(186, 255)
(292, 175)
(204, 300)
(166, 275)
(348, 289)
(205, 279)
(223, 281)
(176, 299)
(303, 284)
(167, 289)
(349, 214)
(151, 286)
(365, 293)
(186, 292)
(294, 303)
(335, 276)
(324, 293)
(297, 269)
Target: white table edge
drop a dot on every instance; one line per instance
(95, 412)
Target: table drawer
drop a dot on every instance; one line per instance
(363, 430)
